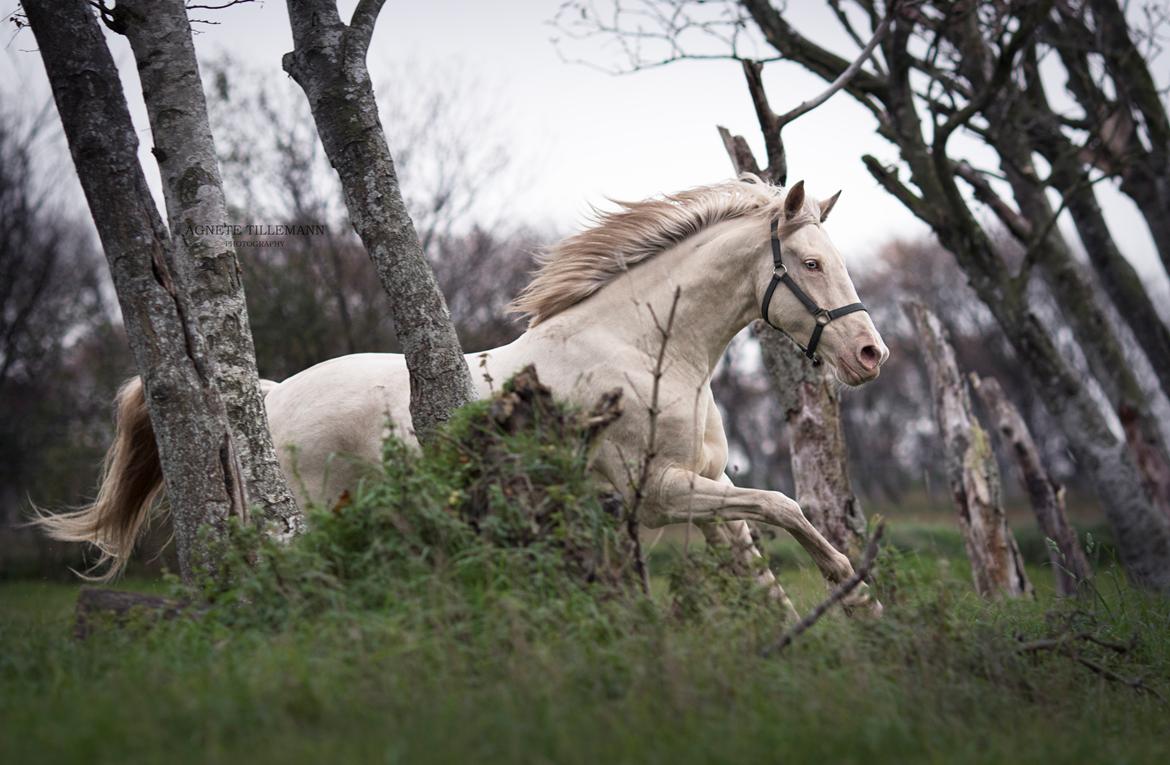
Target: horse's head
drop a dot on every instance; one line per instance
(810, 295)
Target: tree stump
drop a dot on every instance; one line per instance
(809, 398)
(97, 607)
(1069, 564)
(996, 563)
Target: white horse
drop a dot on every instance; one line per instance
(593, 308)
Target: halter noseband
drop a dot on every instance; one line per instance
(821, 315)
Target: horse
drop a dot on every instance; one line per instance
(714, 256)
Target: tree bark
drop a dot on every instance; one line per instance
(1098, 340)
(328, 61)
(808, 396)
(1070, 567)
(996, 563)
(200, 466)
(160, 36)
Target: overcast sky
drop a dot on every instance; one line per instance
(586, 135)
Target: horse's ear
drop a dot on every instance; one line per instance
(794, 202)
(827, 205)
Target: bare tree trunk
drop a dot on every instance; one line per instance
(1069, 565)
(328, 61)
(1119, 279)
(1117, 144)
(200, 466)
(807, 394)
(820, 467)
(996, 563)
(1102, 347)
(160, 37)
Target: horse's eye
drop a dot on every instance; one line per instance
(812, 265)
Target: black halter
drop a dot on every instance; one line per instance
(821, 315)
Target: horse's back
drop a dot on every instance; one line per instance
(328, 422)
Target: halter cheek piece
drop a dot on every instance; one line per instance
(821, 315)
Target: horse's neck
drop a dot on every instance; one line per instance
(715, 274)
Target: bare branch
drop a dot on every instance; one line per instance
(361, 25)
(219, 7)
(1065, 645)
(1003, 70)
(843, 78)
(888, 179)
(737, 148)
(664, 332)
(839, 594)
(1016, 223)
(777, 170)
(653, 34)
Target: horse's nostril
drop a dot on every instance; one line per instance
(870, 356)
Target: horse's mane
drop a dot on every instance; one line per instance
(582, 264)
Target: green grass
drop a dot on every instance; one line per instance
(450, 613)
(933, 681)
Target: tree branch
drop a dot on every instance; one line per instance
(888, 180)
(1016, 223)
(839, 594)
(361, 25)
(737, 148)
(843, 78)
(1003, 70)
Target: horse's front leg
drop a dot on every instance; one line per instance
(686, 496)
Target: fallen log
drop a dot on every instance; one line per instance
(103, 607)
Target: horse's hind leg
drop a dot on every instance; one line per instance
(747, 558)
(686, 496)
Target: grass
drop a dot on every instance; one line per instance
(425, 621)
(933, 681)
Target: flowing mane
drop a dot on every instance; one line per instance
(582, 264)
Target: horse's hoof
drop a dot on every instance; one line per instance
(861, 604)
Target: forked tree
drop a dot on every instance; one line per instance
(996, 564)
(948, 68)
(197, 450)
(328, 61)
(181, 290)
(204, 253)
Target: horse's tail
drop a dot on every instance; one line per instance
(132, 480)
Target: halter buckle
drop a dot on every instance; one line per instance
(822, 317)
(780, 271)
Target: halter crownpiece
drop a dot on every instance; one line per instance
(820, 315)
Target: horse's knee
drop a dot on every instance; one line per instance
(839, 567)
(783, 511)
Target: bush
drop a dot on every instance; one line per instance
(499, 505)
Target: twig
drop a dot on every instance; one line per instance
(1136, 683)
(842, 590)
(639, 487)
(771, 124)
(1064, 646)
(842, 79)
